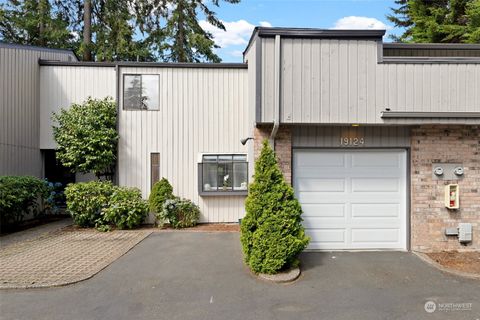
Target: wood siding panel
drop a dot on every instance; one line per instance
(19, 107)
(310, 136)
(201, 111)
(340, 82)
(60, 86)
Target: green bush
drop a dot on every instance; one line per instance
(85, 201)
(272, 235)
(87, 137)
(181, 213)
(161, 191)
(20, 195)
(126, 208)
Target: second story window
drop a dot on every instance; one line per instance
(141, 92)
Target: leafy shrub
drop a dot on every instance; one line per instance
(272, 235)
(55, 198)
(181, 213)
(85, 201)
(20, 195)
(87, 137)
(161, 191)
(126, 208)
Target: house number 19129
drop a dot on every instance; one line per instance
(352, 142)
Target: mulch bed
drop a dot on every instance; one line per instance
(460, 261)
(202, 227)
(205, 227)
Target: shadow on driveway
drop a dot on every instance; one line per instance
(201, 276)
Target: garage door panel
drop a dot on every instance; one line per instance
(375, 210)
(321, 197)
(360, 204)
(327, 235)
(321, 210)
(375, 160)
(378, 236)
(310, 159)
(375, 184)
(325, 223)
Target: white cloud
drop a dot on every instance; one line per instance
(354, 22)
(237, 32)
(236, 53)
(265, 24)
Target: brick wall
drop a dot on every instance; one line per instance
(283, 147)
(429, 217)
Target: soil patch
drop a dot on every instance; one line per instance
(460, 261)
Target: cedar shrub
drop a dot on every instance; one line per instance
(162, 190)
(272, 234)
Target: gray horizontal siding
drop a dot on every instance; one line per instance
(19, 107)
(329, 136)
(341, 82)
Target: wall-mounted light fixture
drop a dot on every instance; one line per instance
(244, 141)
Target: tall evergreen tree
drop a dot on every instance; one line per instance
(440, 21)
(109, 30)
(400, 18)
(182, 39)
(34, 22)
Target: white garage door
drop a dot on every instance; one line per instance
(352, 199)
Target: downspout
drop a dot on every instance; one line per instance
(276, 105)
(117, 101)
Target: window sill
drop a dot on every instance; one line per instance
(223, 193)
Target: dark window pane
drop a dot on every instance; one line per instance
(210, 158)
(224, 158)
(209, 177)
(240, 176)
(154, 168)
(132, 89)
(225, 176)
(239, 157)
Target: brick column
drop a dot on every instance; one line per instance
(429, 217)
(283, 147)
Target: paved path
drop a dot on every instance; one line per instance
(35, 232)
(62, 256)
(201, 276)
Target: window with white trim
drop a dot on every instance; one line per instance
(223, 174)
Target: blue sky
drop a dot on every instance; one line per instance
(347, 14)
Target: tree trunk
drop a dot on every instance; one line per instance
(42, 12)
(180, 47)
(87, 30)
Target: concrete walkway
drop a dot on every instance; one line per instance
(32, 233)
(201, 276)
(51, 256)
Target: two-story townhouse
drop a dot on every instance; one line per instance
(361, 128)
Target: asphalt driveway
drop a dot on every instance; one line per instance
(183, 275)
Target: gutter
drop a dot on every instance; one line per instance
(423, 115)
(117, 124)
(276, 112)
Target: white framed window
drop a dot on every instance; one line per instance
(223, 174)
(141, 92)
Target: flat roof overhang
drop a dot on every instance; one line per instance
(425, 115)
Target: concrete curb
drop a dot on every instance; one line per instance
(281, 277)
(438, 266)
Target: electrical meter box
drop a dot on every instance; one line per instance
(452, 196)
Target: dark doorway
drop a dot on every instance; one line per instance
(55, 171)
